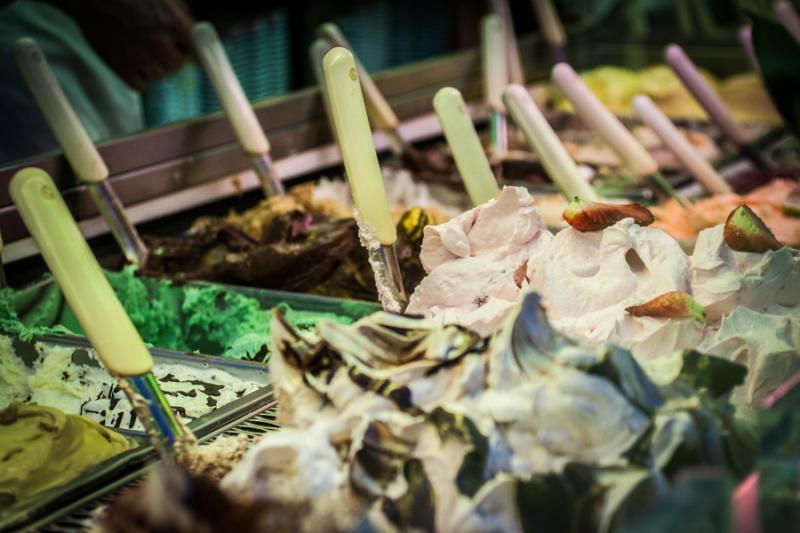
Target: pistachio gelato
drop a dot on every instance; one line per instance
(42, 447)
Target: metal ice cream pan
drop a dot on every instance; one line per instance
(130, 464)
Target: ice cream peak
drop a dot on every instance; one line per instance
(480, 262)
(593, 216)
(588, 279)
(723, 278)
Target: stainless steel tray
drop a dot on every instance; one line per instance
(129, 465)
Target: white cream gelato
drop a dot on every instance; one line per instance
(587, 279)
(768, 344)
(480, 262)
(723, 278)
(402, 193)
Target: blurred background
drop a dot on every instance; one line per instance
(152, 80)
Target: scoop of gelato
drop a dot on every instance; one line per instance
(587, 279)
(41, 448)
(480, 262)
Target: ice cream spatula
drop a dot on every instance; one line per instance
(376, 226)
(551, 28)
(462, 138)
(515, 71)
(78, 148)
(237, 108)
(494, 64)
(543, 140)
(634, 156)
(711, 102)
(380, 113)
(679, 145)
(317, 52)
(94, 302)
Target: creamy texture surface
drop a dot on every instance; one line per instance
(42, 447)
(404, 424)
(480, 262)
(587, 279)
(723, 278)
(768, 344)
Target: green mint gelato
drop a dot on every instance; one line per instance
(204, 318)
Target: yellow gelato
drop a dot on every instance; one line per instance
(616, 87)
(41, 448)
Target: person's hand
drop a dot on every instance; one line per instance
(140, 40)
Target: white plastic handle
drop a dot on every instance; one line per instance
(679, 145)
(78, 274)
(317, 52)
(78, 147)
(494, 61)
(515, 71)
(704, 94)
(549, 22)
(600, 119)
(235, 103)
(465, 145)
(381, 113)
(555, 158)
(355, 142)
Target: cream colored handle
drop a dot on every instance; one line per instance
(78, 274)
(380, 112)
(494, 61)
(465, 145)
(515, 70)
(235, 103)
(355, 142)
(704, 94)
(679, 145)
(549, 22)
(78, 147)
(600, 119)
(555, 159)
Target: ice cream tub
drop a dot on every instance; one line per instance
(197, 317)
(130, 464)
(65, 373)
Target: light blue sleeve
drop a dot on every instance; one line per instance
(107, 107)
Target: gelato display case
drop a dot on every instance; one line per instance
(414, 296)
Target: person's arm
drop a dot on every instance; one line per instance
(140, 40)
